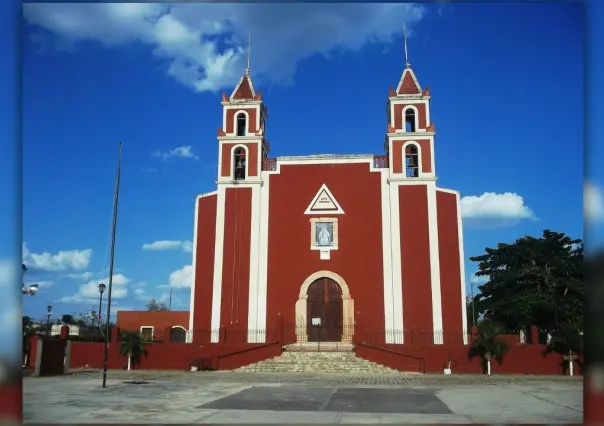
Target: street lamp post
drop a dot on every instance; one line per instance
(102, 287)
(48, 315)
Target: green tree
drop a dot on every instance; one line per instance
(568, 343)
(155, 305)
(470, 312)
(534, 281)
(488, 345)
(132, 347)
(67, 319)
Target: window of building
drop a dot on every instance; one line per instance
(240, 163)
(411, 161)
(147, 334)
(178, 334)
(409, 120)
(241, 124)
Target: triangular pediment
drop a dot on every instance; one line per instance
(408, 84)
(324, 203)
(244, 89)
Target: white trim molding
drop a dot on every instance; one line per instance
(247, 123)
(253, 288)
(324, 196)
(232, 159)
(147, 326)
(218, 258)
(462, 270)
(397, 335)
(263, 256)
(387, 260)
(437, 314)
(415, 119)
(420, 169)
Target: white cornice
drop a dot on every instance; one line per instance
(406, 98)
(327, 157)
(411, 136)
(240, 139)
(412, 181)
(240, 103)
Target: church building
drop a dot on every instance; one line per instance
(328, 242)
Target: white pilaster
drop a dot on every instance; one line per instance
(437, 315)
(396, 335)
(263, 256)
(218, 258)
(252, 321)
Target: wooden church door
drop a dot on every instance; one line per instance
(324, 311)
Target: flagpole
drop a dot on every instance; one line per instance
(170, 303)
(108, 315)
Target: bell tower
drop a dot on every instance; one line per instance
(410, 132)
(242, 142)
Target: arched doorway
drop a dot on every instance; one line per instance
(324, 311)
(178, 334)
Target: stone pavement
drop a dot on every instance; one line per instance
(227, 397)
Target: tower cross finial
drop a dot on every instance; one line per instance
(249, 51)
(407, 64)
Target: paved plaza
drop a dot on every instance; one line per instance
(228, 397)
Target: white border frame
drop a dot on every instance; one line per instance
(323, 188)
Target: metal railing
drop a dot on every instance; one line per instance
(380, 161)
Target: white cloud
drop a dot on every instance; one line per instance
(79, 276)
(593, 202)
(61, 261)
(179, 152)
(89, 292)
(169, 245)
(203, 44)
(182, 278)
(494, 210)
(479, 279)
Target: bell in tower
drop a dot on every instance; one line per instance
(239, 157)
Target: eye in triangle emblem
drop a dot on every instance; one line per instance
(324, 203)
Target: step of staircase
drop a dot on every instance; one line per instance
(313, 361)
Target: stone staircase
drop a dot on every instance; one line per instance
(307, 360)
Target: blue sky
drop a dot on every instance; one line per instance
(507, 86)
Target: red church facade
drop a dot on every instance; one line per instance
(328, 241)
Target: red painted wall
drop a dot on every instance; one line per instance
(450, 278)
(359, 256)
(236, 257)
(134, 320)
(398, 115)
(230, 119)
(175, 356)
(252, 158)
(398, 157)
(521, 359)
(204, 268)
(415, 257)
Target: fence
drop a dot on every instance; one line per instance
(406, 350)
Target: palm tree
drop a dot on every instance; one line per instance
(488, 345)
(132, 347)
(569, 344)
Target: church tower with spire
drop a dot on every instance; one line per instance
(322, 246)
